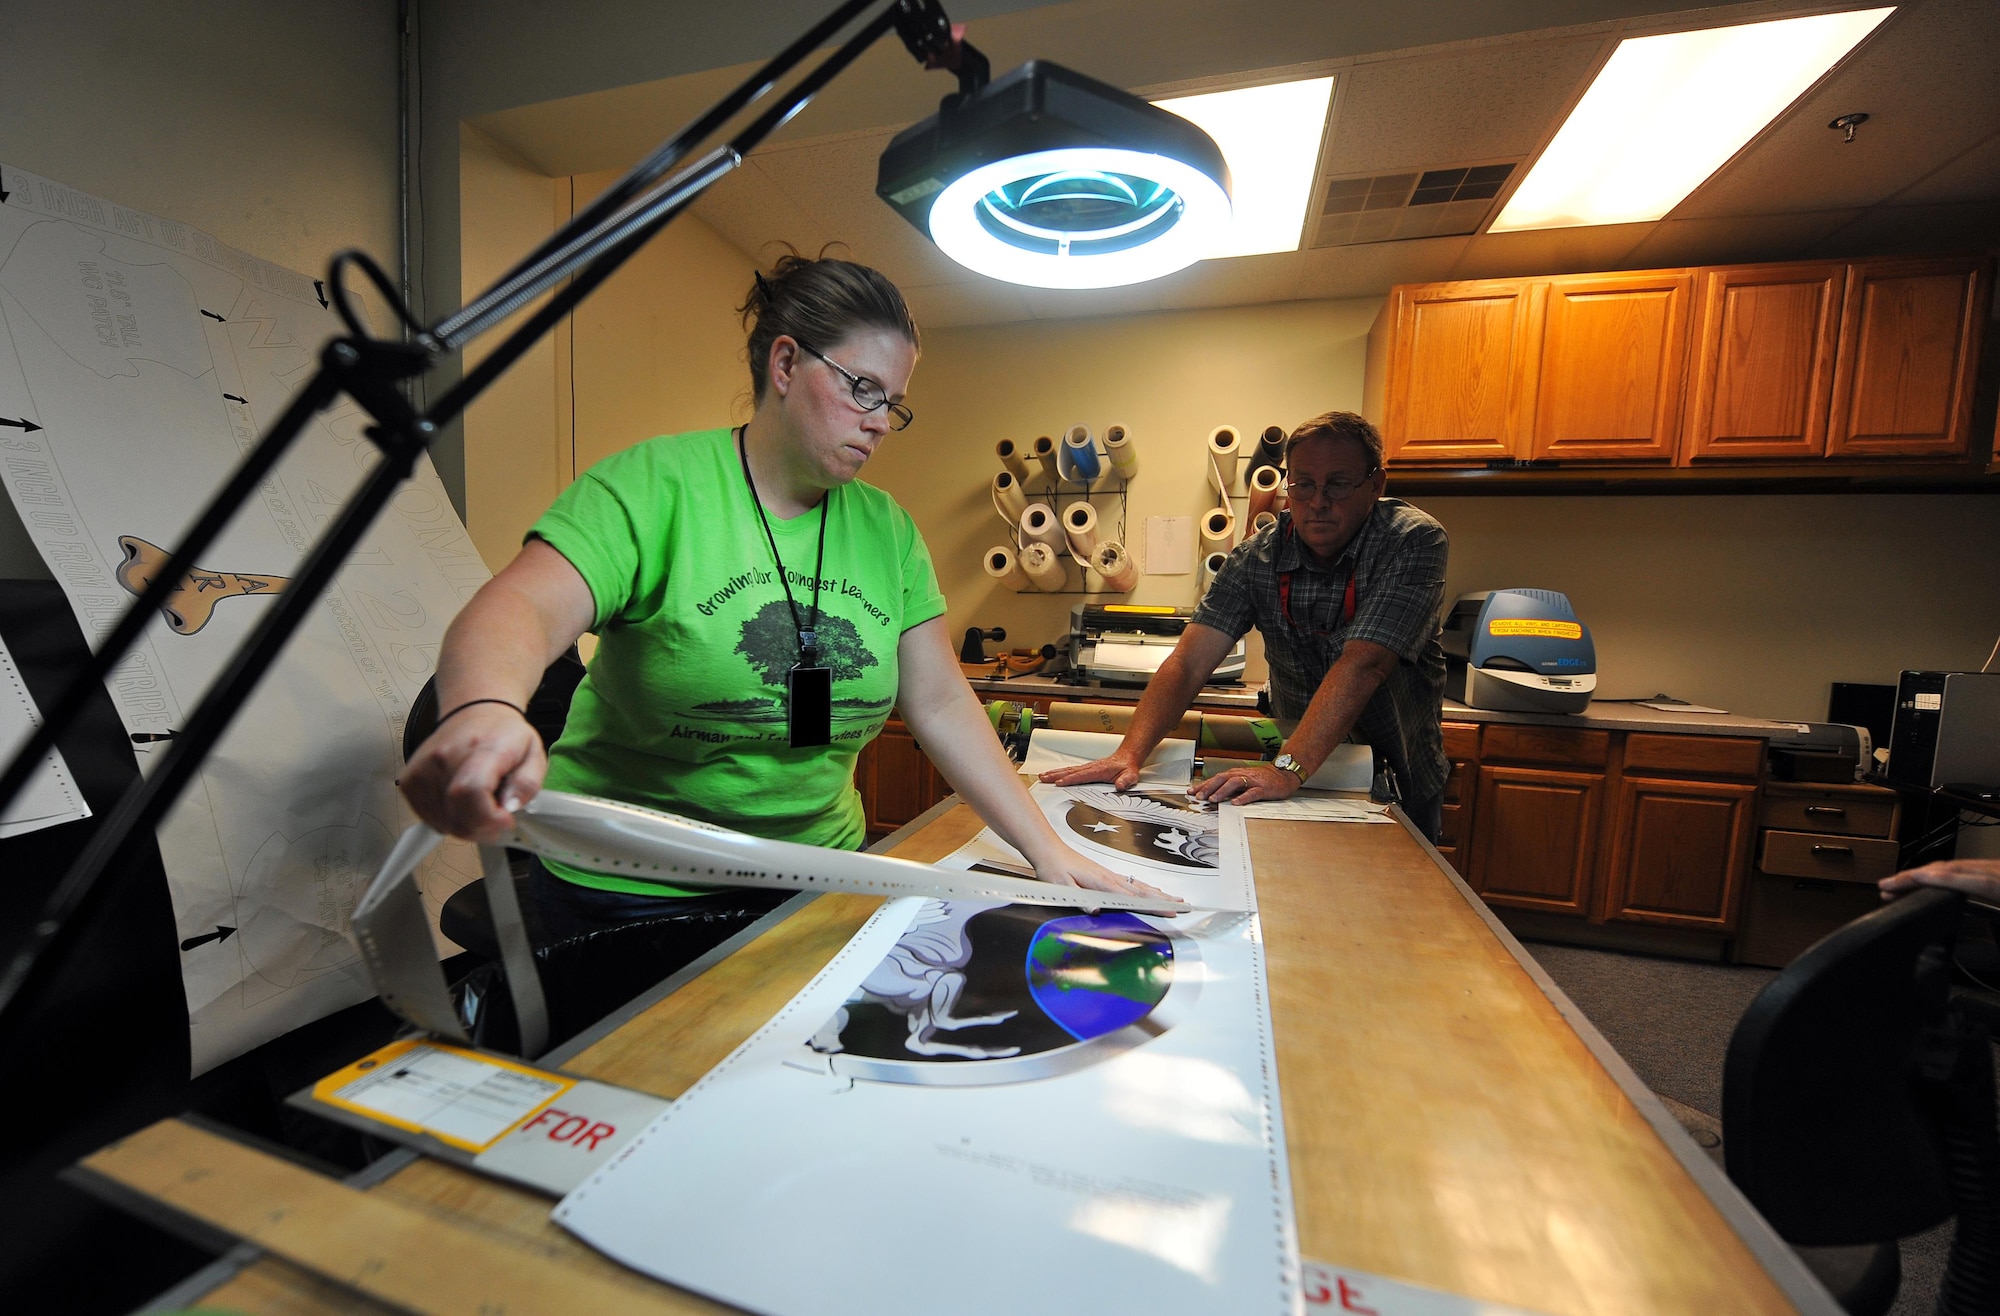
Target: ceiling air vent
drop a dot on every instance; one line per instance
(1433, 203)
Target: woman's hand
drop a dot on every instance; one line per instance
(1246, 784)
(1978, 878)
(476, 769)
(1066, 867)
(1120, 768)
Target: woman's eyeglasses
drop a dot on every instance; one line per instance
(868, 394)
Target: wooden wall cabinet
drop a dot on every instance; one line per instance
(1614, 348)
(1909, 347)
(1462, 382)
(1799, 362)
(1761, 378)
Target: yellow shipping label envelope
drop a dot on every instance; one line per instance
(1553, 630)
(462, 1098)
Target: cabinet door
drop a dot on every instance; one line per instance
(905, 783)
(1614, 350)
(1679, 852)
(1461, 369)
(1535, 846)
(1763, 361)
(1909, 346)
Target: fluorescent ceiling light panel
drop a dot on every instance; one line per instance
(1668, 111)
(1270, 136)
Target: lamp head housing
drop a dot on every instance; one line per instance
(1049, 178)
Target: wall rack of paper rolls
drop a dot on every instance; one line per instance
(1045, 495)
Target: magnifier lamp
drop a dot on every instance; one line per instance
(1043, 177)
(1049, 178)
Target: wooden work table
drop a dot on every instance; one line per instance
(1450, 1118)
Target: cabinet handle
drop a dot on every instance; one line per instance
(1827, 809)
(1833, 849)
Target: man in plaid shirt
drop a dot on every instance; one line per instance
(1346, 590)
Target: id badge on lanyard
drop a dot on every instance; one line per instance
(809, 701)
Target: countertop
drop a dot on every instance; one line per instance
(1598, 717)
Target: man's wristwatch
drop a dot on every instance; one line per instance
(1291, 765)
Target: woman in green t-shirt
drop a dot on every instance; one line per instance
(711, 566)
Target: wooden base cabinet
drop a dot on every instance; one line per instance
(897, 781)
(1680, 851)
(1536, 843)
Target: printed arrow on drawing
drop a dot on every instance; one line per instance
(318, 287)
(25, 426)
(220, 934)
(4, 193)
(233, 398)
(213, 316)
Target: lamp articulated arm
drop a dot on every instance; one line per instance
(586, 251)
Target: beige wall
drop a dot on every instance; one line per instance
(270, 126)
(1751, 603)
(657, 350)
(1169, 379)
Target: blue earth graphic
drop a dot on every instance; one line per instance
(1093, 974)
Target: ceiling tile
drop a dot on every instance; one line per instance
(1071, 304)
(753, 212)
(1736, 241)
(1497, 102)
(1235, 281)
(950, 305)
(1929, 80)
(1971, 177)
(1912, 230)
(1369, 270)
(1550, 251)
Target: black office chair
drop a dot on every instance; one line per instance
(584, 977)
(1858, 1108)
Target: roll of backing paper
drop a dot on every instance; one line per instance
(1005, 567)
(1110, 561)
(1044, 568)
(1254, 735)
(1264, 484)
(1262, 521)
(1039, 526)
(1122, 452)
(1079, 523)
(1009, 453)
(1080, 461)
(1225, 450)
(1218, 529)
(1211, 565)
(1270, 450)
(1046, 450)
(1008, 499)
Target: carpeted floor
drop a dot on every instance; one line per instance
(1671, 1020)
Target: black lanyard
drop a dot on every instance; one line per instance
(808, 635)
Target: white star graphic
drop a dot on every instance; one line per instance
(1102, 827)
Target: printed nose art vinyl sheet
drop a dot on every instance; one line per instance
(981, 1108)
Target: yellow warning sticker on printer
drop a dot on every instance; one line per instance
(1554, 630)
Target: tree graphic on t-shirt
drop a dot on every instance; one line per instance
(771, 643)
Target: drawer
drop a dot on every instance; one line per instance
(1558, 745)
(1817, 854)
(1782, 916)
(1452, 829)
(1848, 814)
(1698, 756)
(1461, 740)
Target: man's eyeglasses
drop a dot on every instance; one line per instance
(1305, 491)
(868, 394)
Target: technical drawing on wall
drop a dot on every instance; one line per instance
(139, 361)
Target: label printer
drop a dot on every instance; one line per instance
(1125, 643)
(1518, 650)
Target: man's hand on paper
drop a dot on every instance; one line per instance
(1246, 785)
(1066, 867)
(476, 769)
(1121, 769)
